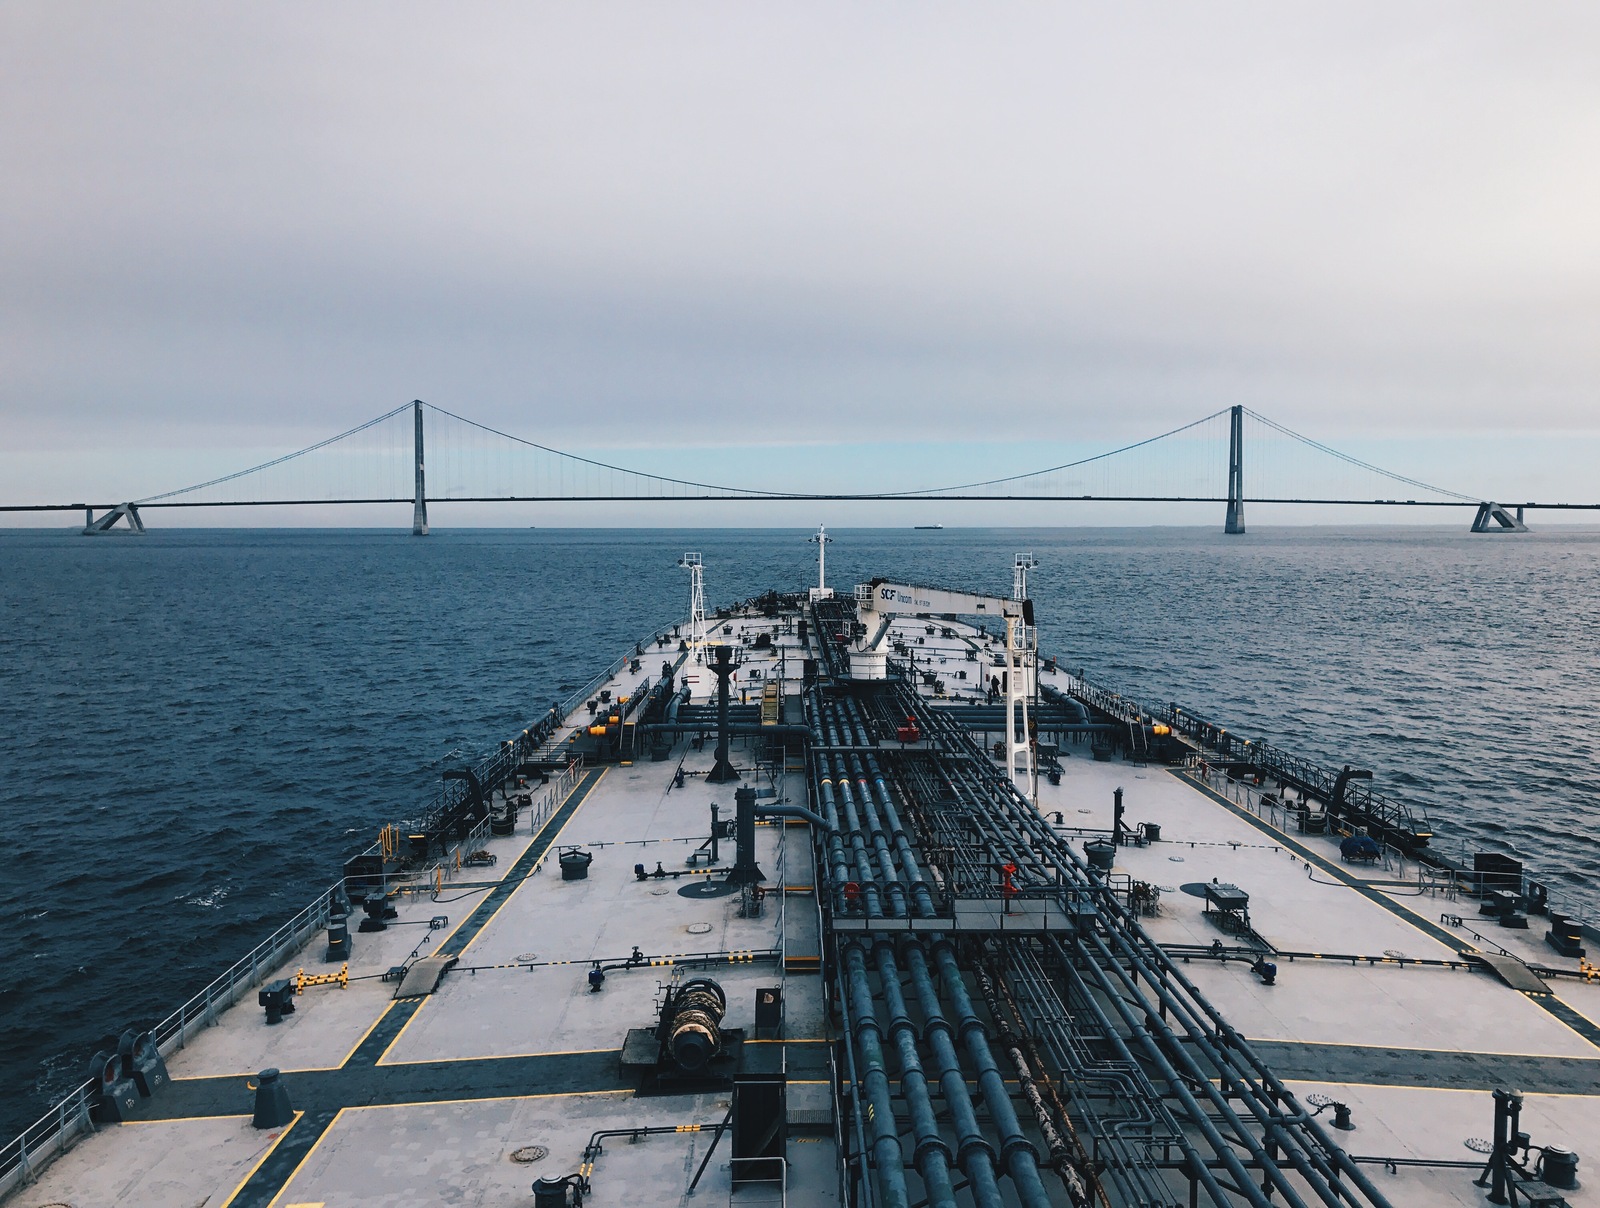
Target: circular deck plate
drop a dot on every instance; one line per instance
(530, 1153)
(707, 889)
(527, 958)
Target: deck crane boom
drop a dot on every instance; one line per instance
(879, 602)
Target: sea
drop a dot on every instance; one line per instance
(199, 726)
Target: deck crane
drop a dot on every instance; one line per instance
(879, 602)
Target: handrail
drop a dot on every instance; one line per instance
(1112, 704)
(1411, 822)
(577, 698)
(54, 1132)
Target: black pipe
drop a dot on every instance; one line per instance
(1157, 1056)
(973, 1152)
(931, 1154)
(886, 1154)
(1016, 1151)
(1272, 1119)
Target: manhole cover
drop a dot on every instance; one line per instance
(1394, 952)
(1318, 1099)
(1478, 1145)
(1167, 888)
(698, 928)
(1086, 811)
(659, 893)
(527, 958)
(530, 1153)
(707, 889)
(1176, 859)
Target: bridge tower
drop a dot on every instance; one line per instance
(1235, 520)
(419, 510)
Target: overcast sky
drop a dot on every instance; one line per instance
(230, 228)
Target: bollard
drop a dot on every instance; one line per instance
(141, 1061)
(338, 939)
(272, 1102)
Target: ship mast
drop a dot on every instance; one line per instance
(697, 605)
(1021, 640)
(821, 591)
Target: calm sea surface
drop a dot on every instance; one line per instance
(198, 727)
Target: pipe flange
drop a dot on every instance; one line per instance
(971, 1146)
(1016, 1143)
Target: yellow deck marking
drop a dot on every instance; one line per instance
(488, 921)
(256, 1165)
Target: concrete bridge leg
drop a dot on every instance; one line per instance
(1492, 518)
(419, 509)
(1235, 519)
(123, 511)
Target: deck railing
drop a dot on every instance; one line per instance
(68, 1120)
(55, 1131)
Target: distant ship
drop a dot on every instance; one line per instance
(928, 526)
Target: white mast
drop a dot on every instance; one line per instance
(1019, 575)
(1020, 641)
(821, 591)
(697, 605)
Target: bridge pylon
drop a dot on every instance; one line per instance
(1493, 518)
(1235, 519)
(419, 507)
(106, 523)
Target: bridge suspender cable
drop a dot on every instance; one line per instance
(1356, 461)
(1179, 471)
(276, 461)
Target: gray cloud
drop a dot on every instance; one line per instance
(588, 222)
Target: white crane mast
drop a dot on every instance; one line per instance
(1020, 567)
(697, 605)
(879, 602)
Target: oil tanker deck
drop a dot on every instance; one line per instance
(859, 900)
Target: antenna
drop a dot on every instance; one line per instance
(697, 605)
(821, 591)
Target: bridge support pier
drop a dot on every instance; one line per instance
(1235, 519)
(123, 511)
(419, 509)
(1492, 518)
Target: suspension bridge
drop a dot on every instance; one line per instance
(421, 454)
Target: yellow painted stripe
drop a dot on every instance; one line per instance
(251, 1173)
